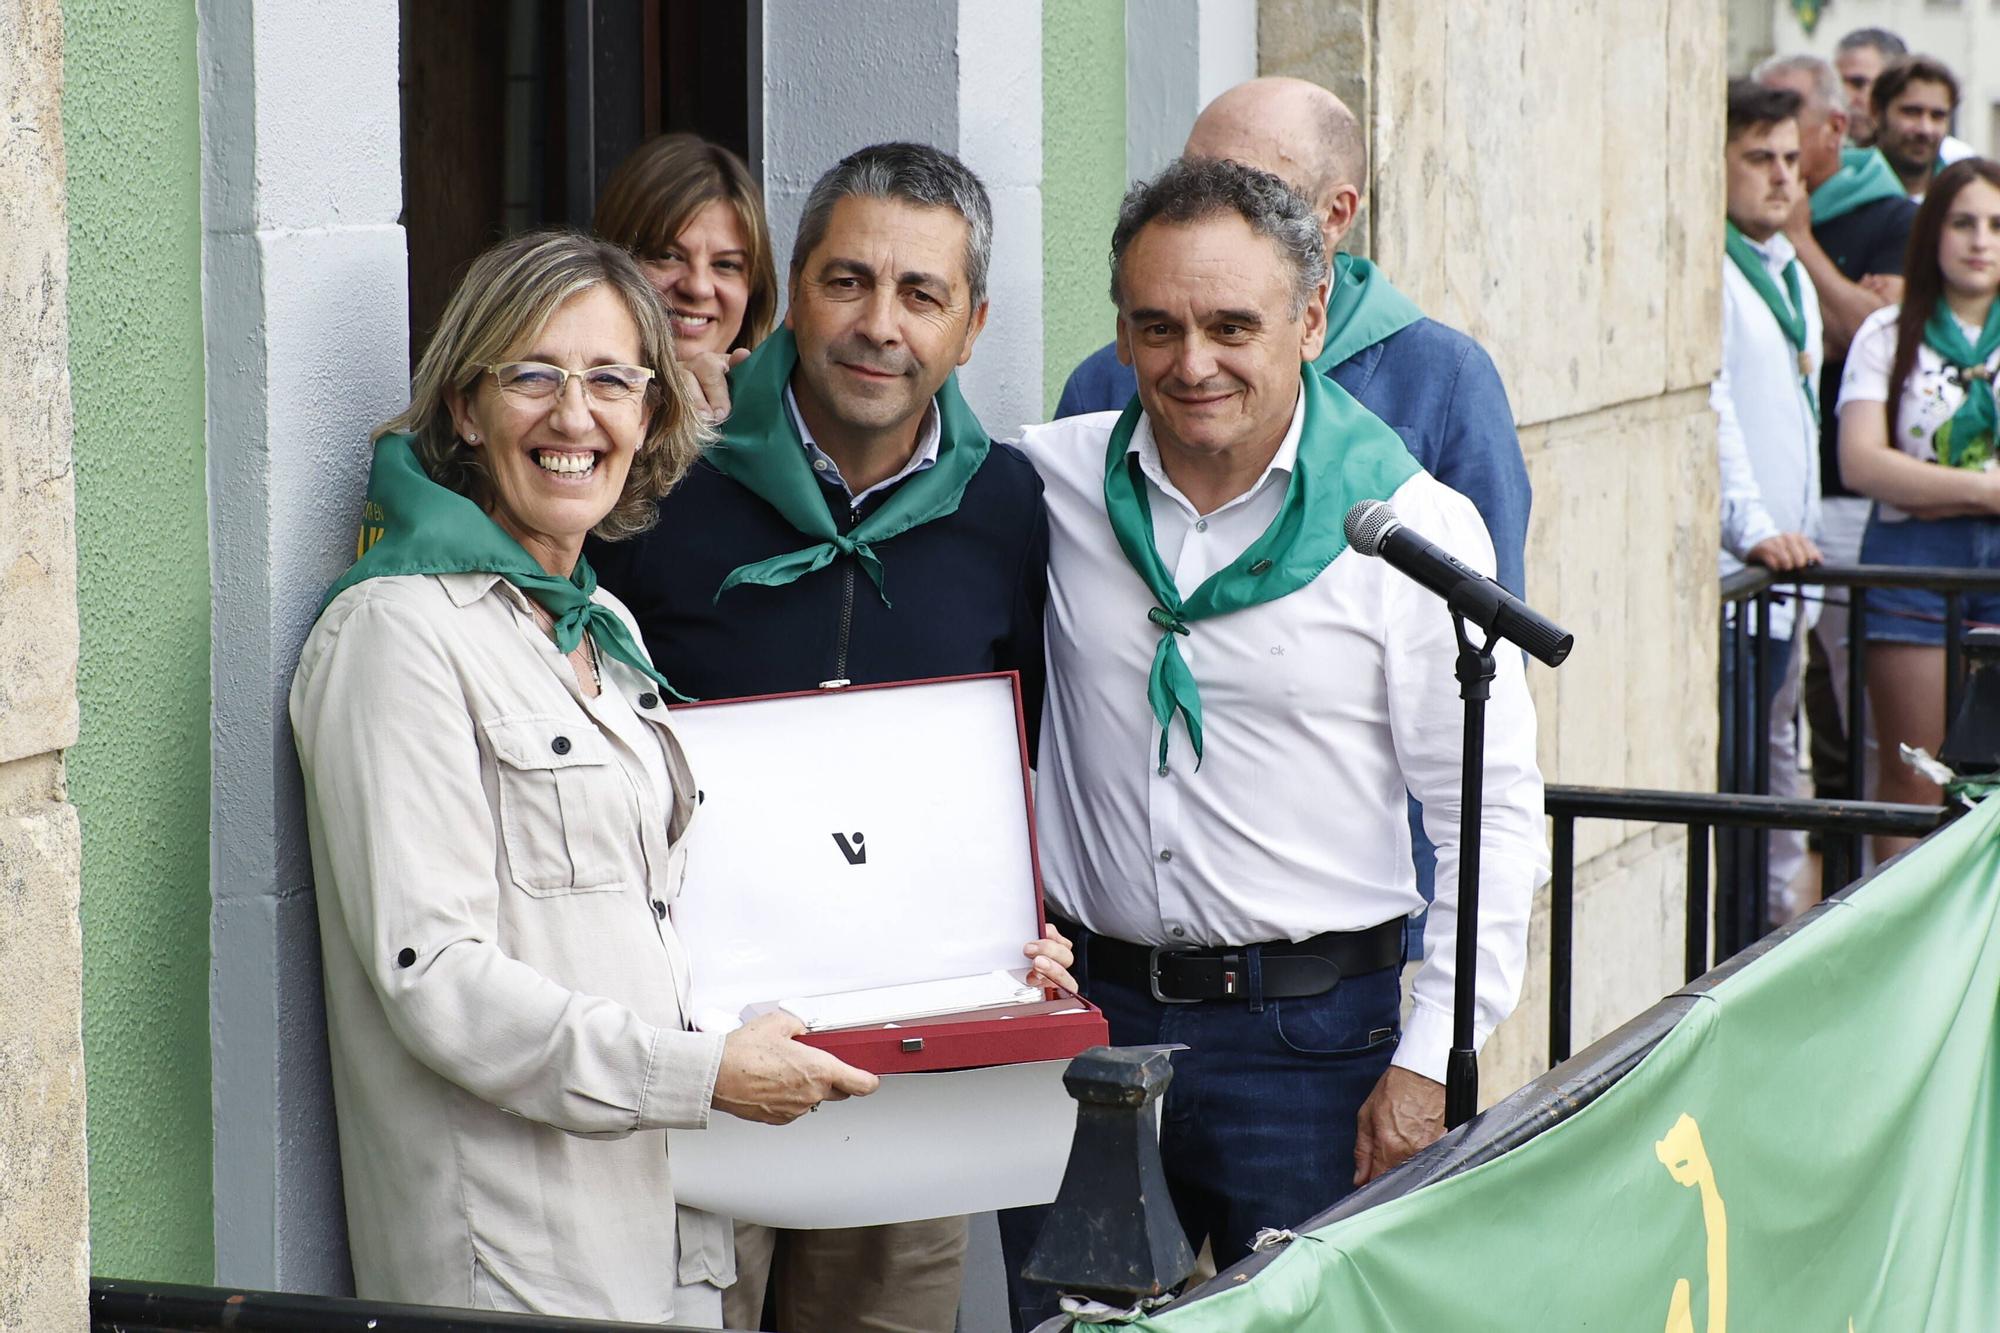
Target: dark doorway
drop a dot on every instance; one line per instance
(515, 112)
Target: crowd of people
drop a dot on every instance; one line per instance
(1855, 401)
(1245, 736)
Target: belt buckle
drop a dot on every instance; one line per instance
(1153, 972)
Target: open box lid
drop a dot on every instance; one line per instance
(856, 838)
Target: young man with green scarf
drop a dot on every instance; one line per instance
(1766, 401)
(1238, 710)
(855, 523)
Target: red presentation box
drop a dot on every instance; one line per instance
(865, 846)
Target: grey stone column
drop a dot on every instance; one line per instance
(965, 76)
(44, 1202)
(306, 316)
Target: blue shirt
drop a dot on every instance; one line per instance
(1436, 387)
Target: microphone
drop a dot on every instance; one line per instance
(1373, 529)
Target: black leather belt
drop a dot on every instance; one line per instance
(1176, 975)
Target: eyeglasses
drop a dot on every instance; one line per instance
(537, 381)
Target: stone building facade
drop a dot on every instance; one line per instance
(44, 1249)
(1568, 214)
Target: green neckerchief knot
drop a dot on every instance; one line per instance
(1362, 309)
(1346, 455)
(1790, 314)
(761, 449)
(1967, 439)
(412, 525)
(1865, 177)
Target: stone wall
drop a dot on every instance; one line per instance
(44, 1212)
(1567, 213)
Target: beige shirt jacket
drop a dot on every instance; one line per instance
(496, 857)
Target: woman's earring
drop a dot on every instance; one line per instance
(472, 439)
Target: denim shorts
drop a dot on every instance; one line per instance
(1909, 615)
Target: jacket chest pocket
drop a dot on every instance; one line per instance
(562, 797)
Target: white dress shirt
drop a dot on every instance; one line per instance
(1767, 440)
(1321, 710)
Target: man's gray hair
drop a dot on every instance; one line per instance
(916, 174)
(1194, 188)
(1879, 40)
(1827, 92)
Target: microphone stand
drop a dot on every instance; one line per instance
(1475, 672)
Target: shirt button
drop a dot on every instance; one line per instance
(1201, 525)
(407, 958)
(1166, 854)
(820, 465)
(560, 745)
(649, 700)
(1178, 932)
(659, 909)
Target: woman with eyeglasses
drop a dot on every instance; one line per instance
(692, 213)
(1917, 427)
(500, 814)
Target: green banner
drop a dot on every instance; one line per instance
(1815, 1147)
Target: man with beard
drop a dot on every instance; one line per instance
(1913, 99)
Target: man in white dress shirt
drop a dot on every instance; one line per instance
(1237, 708)
(1766, 403)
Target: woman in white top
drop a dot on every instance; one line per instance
(499, 816)
(1917, 434)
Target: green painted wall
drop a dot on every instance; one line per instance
(139, 774)
(1083, 178)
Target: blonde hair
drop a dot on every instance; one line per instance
(655, 193)
(505, 298)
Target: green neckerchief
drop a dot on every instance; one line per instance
(1967, 439)
(1865, 177)
(1346, 455)
(412, 525)
(1791, 315)
(761, 450)
(1361, 310)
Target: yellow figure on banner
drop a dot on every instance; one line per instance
(1686, 1160)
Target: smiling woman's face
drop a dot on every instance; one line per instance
(558, 464)
(704, 278)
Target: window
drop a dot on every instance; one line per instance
(515, 112)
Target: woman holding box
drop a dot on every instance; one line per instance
(499, 816)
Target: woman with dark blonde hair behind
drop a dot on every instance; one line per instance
(691, 212)
(500, 814)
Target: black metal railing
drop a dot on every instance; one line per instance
(1749, 597)
(119, 1305)
(1702, 813)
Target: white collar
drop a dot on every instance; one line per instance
(930, 436)
(1282, 463)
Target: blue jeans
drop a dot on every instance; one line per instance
(1911, 615)
(1259, 1125)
